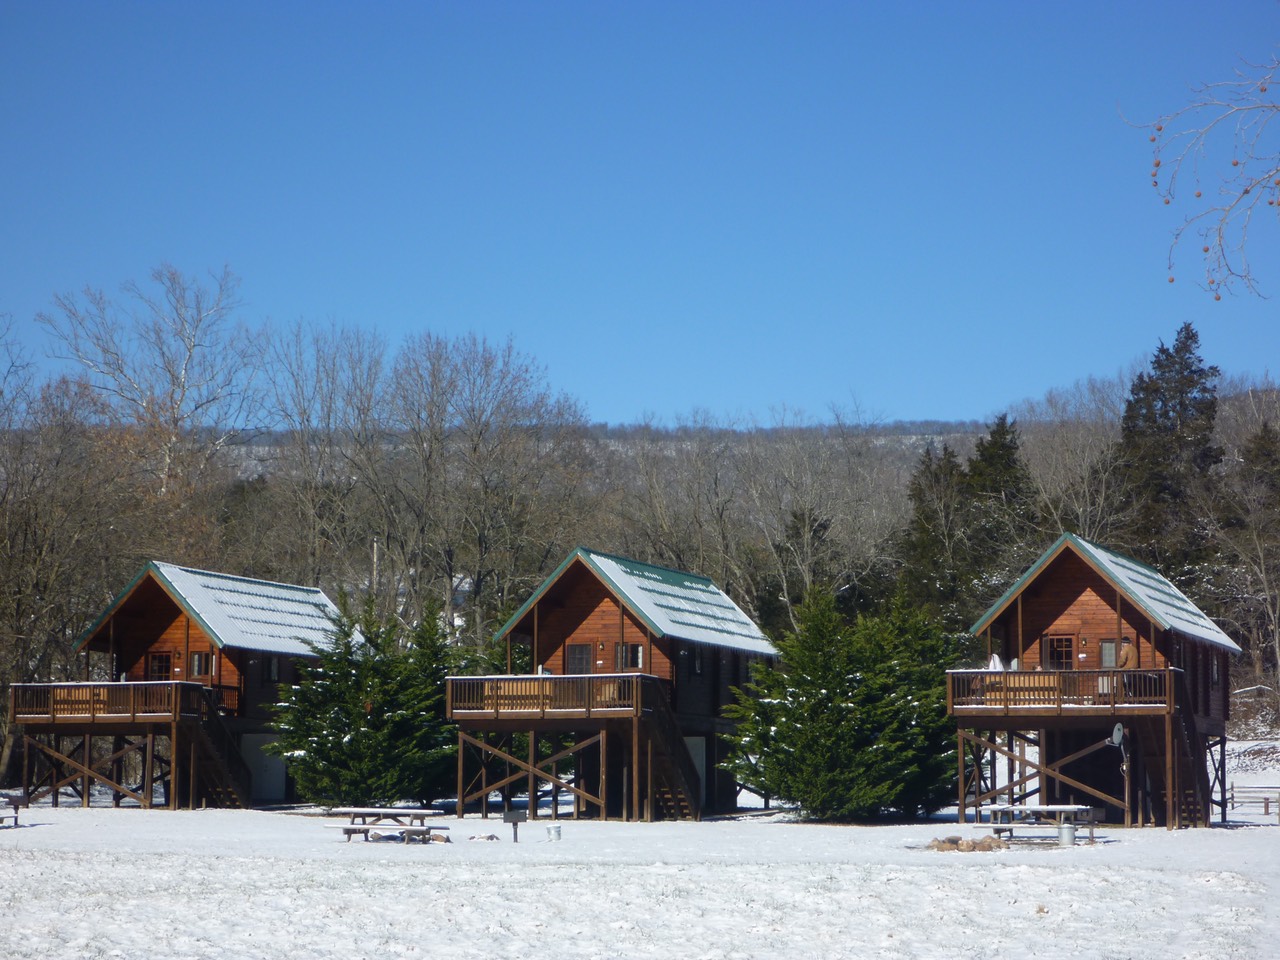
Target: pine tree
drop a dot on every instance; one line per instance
(1167, 451)
(852, 726)
(972, 526)
(1000, 516)
(366, 721)
(936, 551)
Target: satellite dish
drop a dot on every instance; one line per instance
(1117, 735)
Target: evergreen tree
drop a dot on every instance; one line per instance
(936, 552)
(1167, 451)
(972, 526)
(1002, 534)
(366, 722)
(853, 725)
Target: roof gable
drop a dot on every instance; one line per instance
(1147, 589)
(670, 603)
(240, 612)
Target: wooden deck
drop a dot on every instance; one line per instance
(618, 727)
(988, 694)
(39, 705)
(545, 697)
(105, 723)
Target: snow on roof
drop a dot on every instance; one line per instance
(681, 604)
(672, 603)
(1168, 605)
(252, 614)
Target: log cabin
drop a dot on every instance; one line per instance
(1063, 714)
(630, 666)
(181, 670)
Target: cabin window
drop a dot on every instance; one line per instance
(201, 663)
(1215, 670)
(697, 659)
(1059, 653)
(270, 670)
(577, 658)
(628, 656)
(1107, 652)
(159, 666)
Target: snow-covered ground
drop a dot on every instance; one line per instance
(129, 883)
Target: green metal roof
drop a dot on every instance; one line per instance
(1146, 588)
(239, 612)
(670, 603)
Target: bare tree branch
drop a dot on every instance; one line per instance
(1219, 158)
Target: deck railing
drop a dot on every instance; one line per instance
(612, 694)
(105, 702)
(1059, 691)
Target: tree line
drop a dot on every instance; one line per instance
(446, 477)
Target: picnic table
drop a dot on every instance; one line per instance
(1028, 817)
(409, 822)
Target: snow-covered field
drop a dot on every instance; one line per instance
(128, 883)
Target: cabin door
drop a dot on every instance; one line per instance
(159, 666)
(577, 658)
(1059, 653)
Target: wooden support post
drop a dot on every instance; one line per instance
(603, 791)
(1128, 788)
(117, 768)
(1170, 805)
(148, 770)
(1222, 775)
(635, 768)
(173, 765)
(460, 775)
(191, 776)
(648, 806)
(86, 757)
(533, 780)
(960, 814)
(484, 778)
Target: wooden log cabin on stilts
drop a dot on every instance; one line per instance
(1063, 714)
(189, 662)
(631, 665)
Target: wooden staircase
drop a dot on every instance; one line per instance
(1190, 790)
(677, 786)
(223, 775)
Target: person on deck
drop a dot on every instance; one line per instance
(1128, 660)
(1128, 655)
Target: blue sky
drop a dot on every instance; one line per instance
(921, 210)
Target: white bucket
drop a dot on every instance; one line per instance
(1066, 834)
(553, 832)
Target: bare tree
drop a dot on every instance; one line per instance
(1069, 446)
(1218, 158)
(172, 360)
(321, 533)
(68, 509)
(684, 506)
